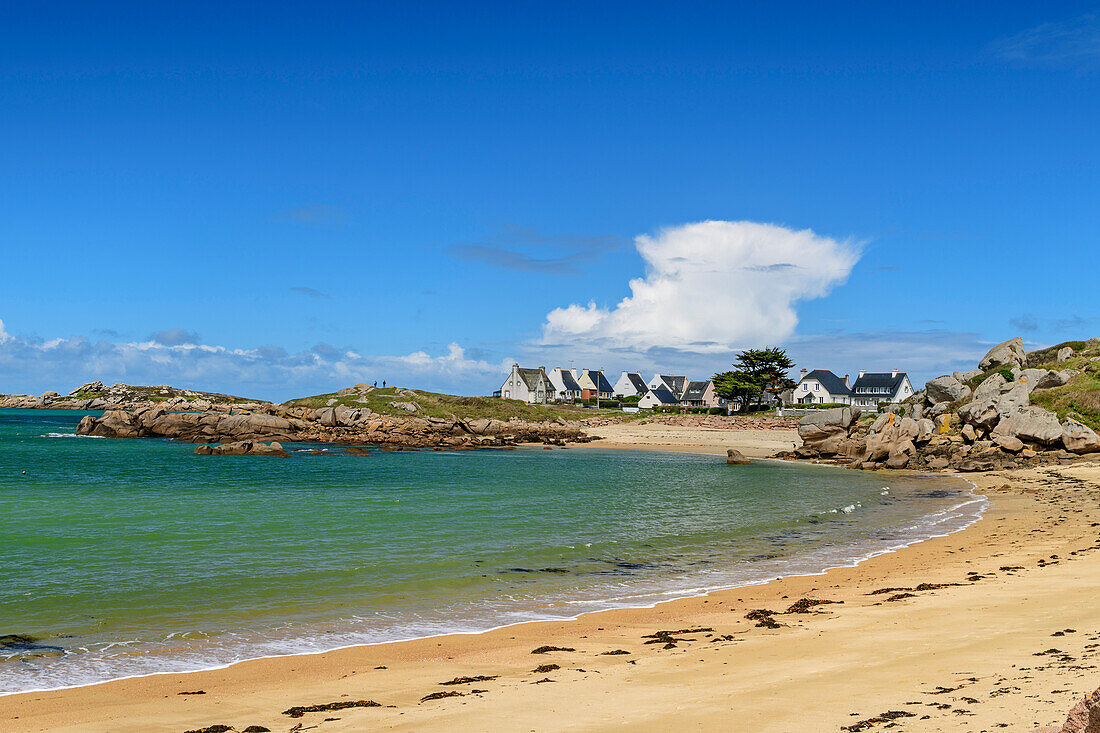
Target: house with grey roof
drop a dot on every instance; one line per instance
(822, 386)
(871, 388)
(673, 384)
(630, 384)
(593, 383)
(528, 385)
(565, 384)
(659, 397)
(701, 394)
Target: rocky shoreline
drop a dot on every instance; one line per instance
(340, 424)
(974, 421)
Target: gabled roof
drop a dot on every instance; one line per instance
(530, 377)
(878, 380)
(569, 384)
(637, 381)
(675, 384)
(695, 391)
(598, 379)
(831, 382)
(664, 396)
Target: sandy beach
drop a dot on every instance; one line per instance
(992, 628)
(752, 442)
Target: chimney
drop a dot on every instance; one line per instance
(894, 373)
(845, 380)
(861, 373)
(803, 373)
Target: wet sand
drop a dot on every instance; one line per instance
(992, 628)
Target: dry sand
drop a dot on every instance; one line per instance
(755, 443)
(1010, 641)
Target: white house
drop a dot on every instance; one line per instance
(701, 394)
(673, 384)
(872, 388)
(820, 386)
(565, 384)
(630, 384)
(529, 385)
(661, 396)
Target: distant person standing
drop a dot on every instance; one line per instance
(383, 384)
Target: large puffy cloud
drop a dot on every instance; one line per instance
(270, 372)
(710, 287)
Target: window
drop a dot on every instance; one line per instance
(816, 386)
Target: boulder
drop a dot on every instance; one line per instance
(965, 377)
(1033, 424)
(823, 430)
(734, 457)
(982, 409)
(900, 454)
(1015, 399)
(1084, 717)
(242, 448)
(938, 463)
(1032, 377)
(1079, 438)
(1064, 354)
(1009, 443)
(883, 421)
(908, 429)
(968, 433)
(946, 389)
(1007, 353)
(1056, 379)
(925, 430)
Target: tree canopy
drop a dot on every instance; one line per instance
(757, 372)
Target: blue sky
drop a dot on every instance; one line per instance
(280, 199)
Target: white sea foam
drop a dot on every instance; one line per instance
(70, 435)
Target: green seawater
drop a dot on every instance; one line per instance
(125, 557)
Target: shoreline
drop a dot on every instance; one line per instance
(254, 691)
(703, 593)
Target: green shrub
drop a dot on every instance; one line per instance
(1007, 374)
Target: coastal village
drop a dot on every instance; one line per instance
(816, 388)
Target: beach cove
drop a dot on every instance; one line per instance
(705, 656)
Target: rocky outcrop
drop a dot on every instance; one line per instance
(735, 457)
(1084, 717)
(1008, 353)
(98, 396)
(326, 424)
(242, 448)
(994, 425)
(823, 431)
(1079, 438)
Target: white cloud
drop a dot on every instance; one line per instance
(265, 372)
(710, 287)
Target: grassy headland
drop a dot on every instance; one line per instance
(433, 404)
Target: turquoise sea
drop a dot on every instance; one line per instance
(127, 557)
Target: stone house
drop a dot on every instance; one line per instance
(528, 385)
